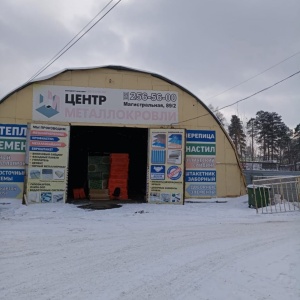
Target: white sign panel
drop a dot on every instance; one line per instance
(95, 105)
(166, 166)
(48, 153)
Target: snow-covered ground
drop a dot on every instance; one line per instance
(147, 251)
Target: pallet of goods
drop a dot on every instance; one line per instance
(118, 176)
(98, 170)
(99, 194)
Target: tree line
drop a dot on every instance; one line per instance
(264, 138)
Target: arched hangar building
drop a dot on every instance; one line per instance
(113, 132)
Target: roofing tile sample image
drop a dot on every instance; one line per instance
(159, 140)
(47, 174)
(35, 174)
(174, 157)
(155, 196)
(33, 197)
(166, 197)
(175, 141)
(158, 156)
(57, 197)
(46, 197)
(59, 174)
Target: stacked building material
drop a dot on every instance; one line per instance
(118, 176)
(99, 194)
(98, 170)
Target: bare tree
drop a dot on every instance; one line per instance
(218, 114)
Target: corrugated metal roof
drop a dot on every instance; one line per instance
(112, 67)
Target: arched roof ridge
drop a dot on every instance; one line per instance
(112, 67)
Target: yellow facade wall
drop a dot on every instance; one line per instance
(17, 109)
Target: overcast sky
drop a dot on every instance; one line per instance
(207, 46)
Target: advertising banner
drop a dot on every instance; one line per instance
(200, 175)
(12, 160)
(166, 166)
(48, 152)
(95, 105)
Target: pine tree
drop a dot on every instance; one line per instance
(270, 131)
(297, 132)
(295, 147)
(261, 127)
(236, 132)
(252, 132)
(284, 144)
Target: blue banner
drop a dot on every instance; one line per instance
(43, 149)
(13, 130)
(201, 136)
(12, 175)
(200, 176)
(44, 138)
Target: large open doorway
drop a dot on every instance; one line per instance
(97, 140)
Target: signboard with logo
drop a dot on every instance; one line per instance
(166, 166)
(47, 171)
(96, 105)
(200, 175)
(12, 160)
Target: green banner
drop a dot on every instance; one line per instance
(12, 145)
(200, 149)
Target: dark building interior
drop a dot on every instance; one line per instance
(96, 140)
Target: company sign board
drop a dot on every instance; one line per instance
(102, 105)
